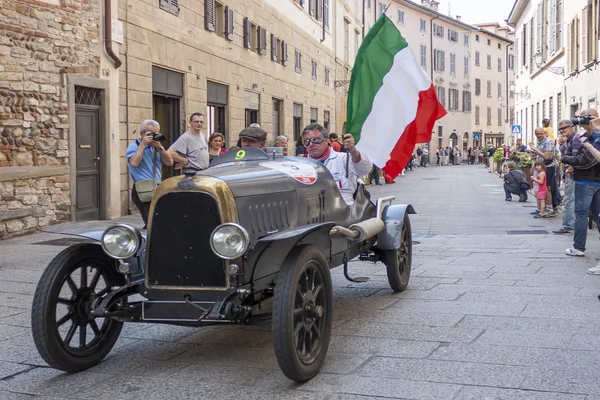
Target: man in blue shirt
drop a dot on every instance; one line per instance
(140, 159)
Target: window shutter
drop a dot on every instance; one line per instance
(570, 52)
(552, 18)
(262, 40)
(273, 48)
(326, 12)
(229, 23)
(209, 15)
(584, 35)
(284, 53)
(302, 3)
(310, 6)
(174, 7)
(247, 33)
(319, 15)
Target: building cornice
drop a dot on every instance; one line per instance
(516, 12)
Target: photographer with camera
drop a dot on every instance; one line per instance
(144, 159)
(586, 175)
(191, 147)
(545, 151)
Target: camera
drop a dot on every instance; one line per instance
(582, 120)
(157, 137)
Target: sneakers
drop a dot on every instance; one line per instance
(594, 270)
(535, 212)
(574, 253)
(508, 199)
(562, 231)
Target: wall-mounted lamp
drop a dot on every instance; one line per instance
(539, 60)
(254, 86)
(522, 94)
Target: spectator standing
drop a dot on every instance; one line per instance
(215, 145)
(437, 156)
(545, 151)
(541, 188)
(191, 147)
(144, 160)
(570, 148)
(548, 129)
(300, 149)
(282, 141)
(335, 142)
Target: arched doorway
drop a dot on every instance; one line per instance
(465, 141)
(453, 139)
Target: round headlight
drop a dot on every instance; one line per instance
(229, 241)
(120, 241)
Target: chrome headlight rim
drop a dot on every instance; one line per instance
(136, 234)
(241, 229)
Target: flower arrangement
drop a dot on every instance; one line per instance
(499, 154)
(523, 160)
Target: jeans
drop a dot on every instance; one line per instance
(568, 213)
(375, 174)
(586, 196)
(144, 208)
(509, 191)
(553, 186)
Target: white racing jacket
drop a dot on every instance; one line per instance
(336, 164)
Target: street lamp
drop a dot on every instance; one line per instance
(522, 94)
(539, 60)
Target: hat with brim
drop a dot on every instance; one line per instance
(254, 133)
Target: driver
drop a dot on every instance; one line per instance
(253, 137)
(345, 167)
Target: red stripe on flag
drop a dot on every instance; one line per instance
(418, 131)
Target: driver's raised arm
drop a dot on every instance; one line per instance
(361, 165)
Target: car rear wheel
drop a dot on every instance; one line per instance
(302, 313)
(398, 262)
(65, 333)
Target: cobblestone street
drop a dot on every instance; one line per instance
(494, 310)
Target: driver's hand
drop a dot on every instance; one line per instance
(349, 143)
(147, 139)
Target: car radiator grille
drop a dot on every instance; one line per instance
(179, 251)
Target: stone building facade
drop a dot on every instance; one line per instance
(41, 44)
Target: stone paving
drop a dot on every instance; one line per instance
(488, 315)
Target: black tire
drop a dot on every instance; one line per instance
(51, 292)
(398, 262)
(302, 320)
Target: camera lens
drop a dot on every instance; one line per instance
(158, 137)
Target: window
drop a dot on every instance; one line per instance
(423, 25)
(499, 90)
(381, 8)
(489, 115)
(524, 46)
(326, 13)
(537, 115)
(424, 56)
(551, 108)
(219, 18)
(477, 38)
(249, 34)
(489, 88)
(441, 94)
(326, 78)
(356, 42)
(477, 86)
(298, 61)
(297, 124)
(439, 60)
(555, 21)
(326, 118)
(276, 49)
(369, 4)
(559, 106)
(543, 109)
(312, 7)
(346, 40)
(401, 17)
(499, 46)
(452, 36)
(499, 116)
(453, 99)
(313, 115)
(588, 39)
(489, 62)
(477, 59)
(573, 45)
(466, 101)
(440, 137)
(489, 42)
(284, 53)
(466, 38)
(511, 62)
(477, 115)
(466, 66)
(499, 64)
(438, 30)
(452, 63)
(314, 70)
(171, 6)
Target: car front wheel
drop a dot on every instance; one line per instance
(398, 262)
(66, 334)
(302, 313)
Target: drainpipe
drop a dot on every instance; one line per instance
(363, 19)
(108, 34)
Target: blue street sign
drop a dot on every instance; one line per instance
(515, 129)
(477, 136)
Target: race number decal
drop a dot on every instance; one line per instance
(301, 172)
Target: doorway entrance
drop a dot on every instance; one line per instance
(276, 117)
(88, 173)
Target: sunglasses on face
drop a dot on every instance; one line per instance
(564, 128)
(314, 140)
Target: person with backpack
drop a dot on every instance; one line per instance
(515, 183)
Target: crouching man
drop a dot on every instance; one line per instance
(345, 167)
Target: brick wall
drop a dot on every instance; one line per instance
(39, 43)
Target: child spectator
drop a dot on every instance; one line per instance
(541, 188)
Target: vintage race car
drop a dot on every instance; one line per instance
(253, 232)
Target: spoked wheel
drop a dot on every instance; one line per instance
(398, 262)
(302, 314)
(65, 333)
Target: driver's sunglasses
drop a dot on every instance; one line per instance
(314, 140)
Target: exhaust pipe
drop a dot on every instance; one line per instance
(361, 231)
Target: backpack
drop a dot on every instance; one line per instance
(419, 152)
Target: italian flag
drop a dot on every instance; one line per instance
(392, 104)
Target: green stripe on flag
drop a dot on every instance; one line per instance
(373, 61)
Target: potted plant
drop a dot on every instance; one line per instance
(524, 163)
(498, 158)
(485, 155)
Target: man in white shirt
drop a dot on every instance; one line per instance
(191, 147)
(345, 171)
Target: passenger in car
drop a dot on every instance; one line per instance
(345, 167)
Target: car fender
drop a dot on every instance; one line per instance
(393, 218)
(270, 252)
